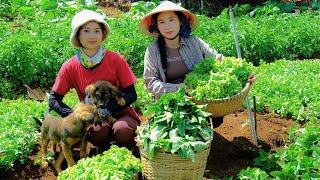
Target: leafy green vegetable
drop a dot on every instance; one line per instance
(177, 125)
(19, 130)
(211, 79)
(289, 88)
(116, 163)
(253, 173)
(144, 96)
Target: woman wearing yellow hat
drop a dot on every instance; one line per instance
(94, 63)
(175, 52)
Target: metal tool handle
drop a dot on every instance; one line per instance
(250, 114)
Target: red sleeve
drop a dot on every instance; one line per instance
(125, 75)
(62, 84)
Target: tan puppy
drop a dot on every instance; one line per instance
(100, 93)
(68, 131)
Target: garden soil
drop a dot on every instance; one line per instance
(232, 148)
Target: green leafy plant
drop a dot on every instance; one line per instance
(264, 38)
(290, 6)
(141, 8)
(177, 126)
(18, 130)
(144, 96)
(116, 163)
(252, 174)
(288, 88)
(213, 80)
(299, 160)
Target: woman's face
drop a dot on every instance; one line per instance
(91, 36)
(168, 24)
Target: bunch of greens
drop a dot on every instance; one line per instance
(289, 88)
(212, 79)
(145, 97)
(177, 126)
(116, 163)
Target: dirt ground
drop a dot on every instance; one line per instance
(232, 147)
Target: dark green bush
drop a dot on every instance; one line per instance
(36, 53)
(128, 40)
(265, 38)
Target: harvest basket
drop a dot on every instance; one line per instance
(168, 166)
(224, 106)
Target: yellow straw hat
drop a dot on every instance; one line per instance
(82, 18)
(146, 21)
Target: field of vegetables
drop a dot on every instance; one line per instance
(283, 49)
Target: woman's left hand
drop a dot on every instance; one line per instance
(219, 57)
(251, 78)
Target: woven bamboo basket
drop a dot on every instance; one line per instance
(224, 106)
(168, 166)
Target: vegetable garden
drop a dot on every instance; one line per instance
(281, 49)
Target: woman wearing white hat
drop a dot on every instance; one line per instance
(93, 63)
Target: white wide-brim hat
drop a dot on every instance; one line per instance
(82, 18)
(146, 21)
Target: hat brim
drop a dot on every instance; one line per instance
(146, 21)
(75, 43)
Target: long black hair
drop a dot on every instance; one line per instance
(185, 31)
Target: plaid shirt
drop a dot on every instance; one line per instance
(192, 51)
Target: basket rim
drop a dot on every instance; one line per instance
(140, 146)
(208, 145)
(243, 92)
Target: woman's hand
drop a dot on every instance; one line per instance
(219, 57)
(251, 78)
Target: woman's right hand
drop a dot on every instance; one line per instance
(251, 78)
(219, 57)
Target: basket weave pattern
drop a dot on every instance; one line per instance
(167, 166)
(224, 106)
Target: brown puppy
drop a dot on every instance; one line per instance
(68, 131)
(100, 93)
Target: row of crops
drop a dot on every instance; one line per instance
(39, 44)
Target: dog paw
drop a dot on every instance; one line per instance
(44, 164)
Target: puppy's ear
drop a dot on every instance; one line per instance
(118, 95)
(89, 91)
(115, 92)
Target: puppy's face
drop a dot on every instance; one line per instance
(101, 92)
(87, 113)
